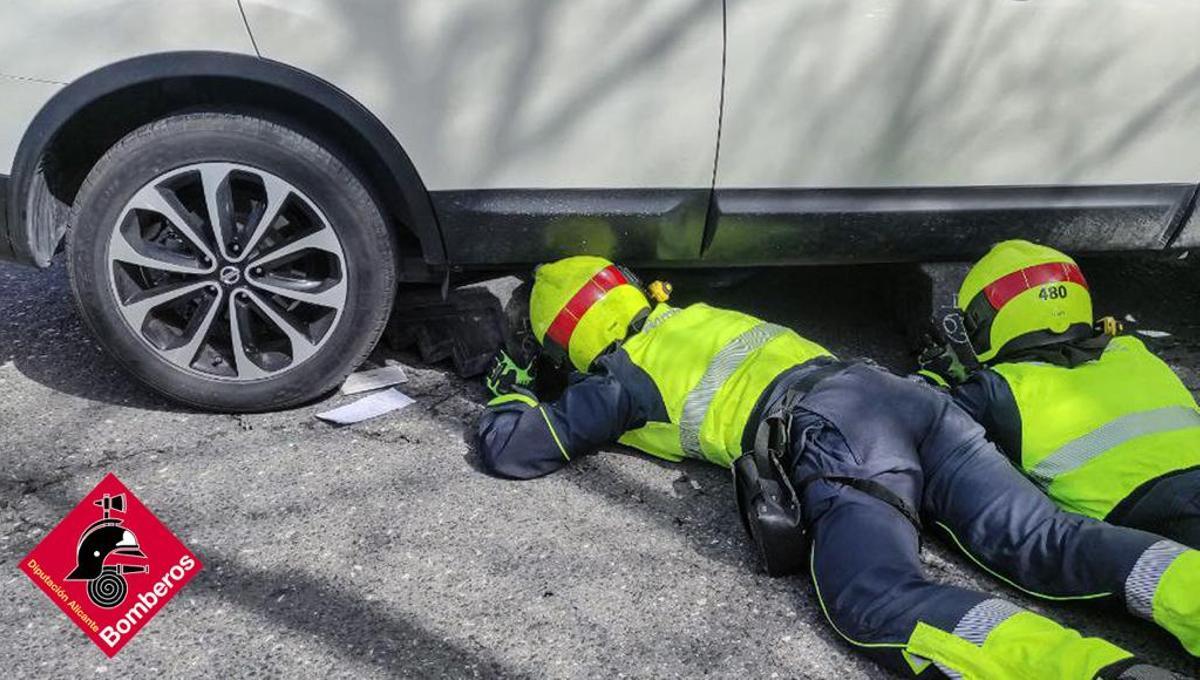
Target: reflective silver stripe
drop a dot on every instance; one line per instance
(1076, 453)
(1143, 579)
(1143, 671)
(983, 618)
(977, 624)
(723, 365)
(656, 321)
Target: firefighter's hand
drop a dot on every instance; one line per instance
(940, 364)
(507, 376)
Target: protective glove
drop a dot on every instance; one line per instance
(507, 376)
(939, 364)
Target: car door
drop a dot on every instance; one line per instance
(540, 127)
(911, 129)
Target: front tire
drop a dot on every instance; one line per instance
(230, 262)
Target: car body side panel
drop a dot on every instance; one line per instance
(61, 40)
(591, 94)
(1189, 232)
(825, 226)
(20, 100)
(515, 226)
(36, 214)
(48, 43)
(886, 93)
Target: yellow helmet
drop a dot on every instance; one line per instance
(1023, 295)
(581, 305)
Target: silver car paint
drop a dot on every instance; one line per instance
(608, 93)
(52, 42)
(843, 93)
(20, 100)
(533, 94)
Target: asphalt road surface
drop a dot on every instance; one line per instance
(380, 550)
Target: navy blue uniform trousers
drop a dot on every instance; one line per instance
(869, 424)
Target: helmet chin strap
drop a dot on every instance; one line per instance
(637, 322)
(556, 352)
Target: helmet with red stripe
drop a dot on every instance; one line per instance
(1023, 295)
(581, 306)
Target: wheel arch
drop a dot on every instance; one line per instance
(88, 116)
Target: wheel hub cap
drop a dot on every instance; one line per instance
(230, 275)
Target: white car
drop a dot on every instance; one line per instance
(241, 186)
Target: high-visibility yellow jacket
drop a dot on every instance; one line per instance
(1091, 434)
(686, 385)
(710, 367)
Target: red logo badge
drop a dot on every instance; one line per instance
(110, 565)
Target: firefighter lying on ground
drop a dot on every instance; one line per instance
(1098, 422)
(866, 453)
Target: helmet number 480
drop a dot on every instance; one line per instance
(1053, 292)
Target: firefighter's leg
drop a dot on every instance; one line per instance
(1010, 528)
(1169, 508)
(867, 576)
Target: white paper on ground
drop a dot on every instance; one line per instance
(370, 406)
(373, 379)
(1154, 334)
(1131, 318)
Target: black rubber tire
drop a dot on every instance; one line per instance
(181, 140)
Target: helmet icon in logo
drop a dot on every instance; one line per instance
(107, 538)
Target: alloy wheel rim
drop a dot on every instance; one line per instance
(227, 271)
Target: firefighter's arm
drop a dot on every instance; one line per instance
(522, 438)
(939, 364)
(947, 358)
(986, 397)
